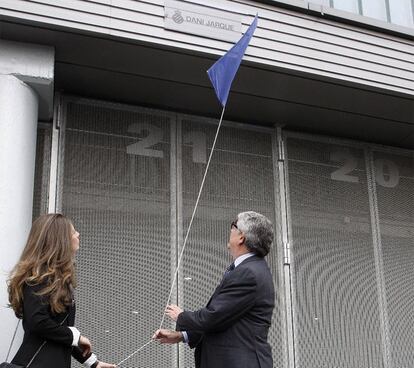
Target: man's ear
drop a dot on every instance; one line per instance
(242, 239)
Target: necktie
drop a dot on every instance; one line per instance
(229, 269)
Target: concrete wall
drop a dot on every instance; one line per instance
(26, 79)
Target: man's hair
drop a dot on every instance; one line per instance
(257, 230)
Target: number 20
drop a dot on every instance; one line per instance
(351, 163)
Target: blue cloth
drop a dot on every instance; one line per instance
(222, 72)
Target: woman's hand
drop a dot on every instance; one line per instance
(173, 311)
(105, 365)
(85, 345)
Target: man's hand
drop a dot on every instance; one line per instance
(173, 311)
(85, 345)
(105, 365)
(168, 336)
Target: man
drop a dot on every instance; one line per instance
(231, 331)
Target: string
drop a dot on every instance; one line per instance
(11, 344)
(136, 351)
(192, 218)
(186, 236)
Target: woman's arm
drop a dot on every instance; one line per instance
(37, 319)
(90, 361)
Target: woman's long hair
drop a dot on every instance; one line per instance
(47, 259)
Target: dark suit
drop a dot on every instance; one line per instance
(231, 331)
(40, 325)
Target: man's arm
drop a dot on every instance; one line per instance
(173, 337)
(168, 336)
(235, 298)
(194, 338)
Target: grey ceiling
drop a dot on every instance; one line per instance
(143, 74)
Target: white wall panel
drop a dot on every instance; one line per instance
(284, 38)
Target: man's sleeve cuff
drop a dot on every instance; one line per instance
(90, 361)
(76, 336)
(185, 336)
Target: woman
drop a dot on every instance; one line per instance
(41, 293)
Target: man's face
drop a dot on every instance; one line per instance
(235, 240)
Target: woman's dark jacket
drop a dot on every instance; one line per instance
(40, 324)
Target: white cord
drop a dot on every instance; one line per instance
(192, 218)
(136, 351)
(186, 236)
(11, 344)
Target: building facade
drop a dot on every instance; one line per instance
(107, 115)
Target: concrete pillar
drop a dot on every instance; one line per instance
(18, 122)
(26, 78)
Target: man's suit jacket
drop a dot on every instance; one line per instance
(231, 331)
(40, 325)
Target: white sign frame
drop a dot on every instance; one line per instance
(202, 21)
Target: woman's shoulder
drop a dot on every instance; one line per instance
(34, 289)
(35, 285)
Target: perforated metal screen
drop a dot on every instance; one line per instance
(132, 214)
(129, 178)
(119, 200)
(336, 310)
(240, 178)
(394, 177)
(42, 172)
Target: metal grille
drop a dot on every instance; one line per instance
(42, 172)
(240, 178)
(131, 191)
(116, 188)
(395, 194)
(335, 297)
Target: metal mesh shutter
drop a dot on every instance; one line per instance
(120, 203)
(336, 313)
(395, 194)
(42, 172)
(240, 178)
(132, 204)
